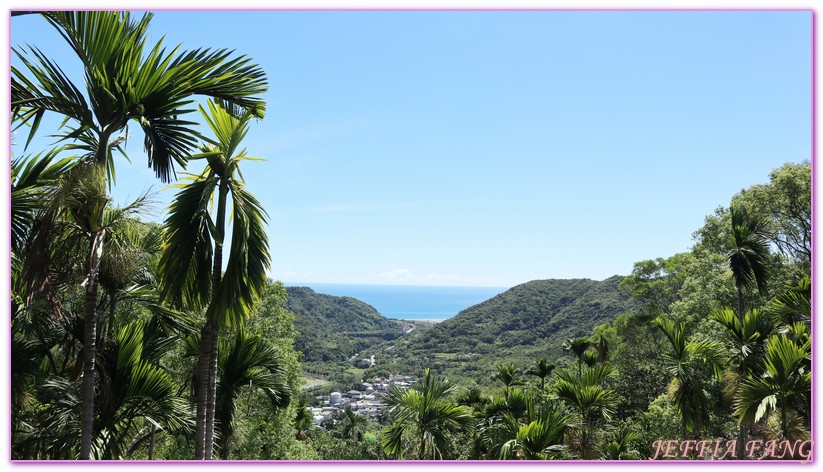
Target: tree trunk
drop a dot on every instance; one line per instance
(202, 390)
(741, 434)
(213, 316)
(151, 442)
(90, 344)
(740, 304)
(211, 406)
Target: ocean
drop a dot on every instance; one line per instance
(410, 302)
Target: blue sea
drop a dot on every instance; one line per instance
(411, 302)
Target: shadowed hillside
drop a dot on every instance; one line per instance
(529, 321)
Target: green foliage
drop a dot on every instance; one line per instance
(427, 415)
(525, 323)
(685, 363)
(749, 254)
(332, 329)
(784, 204)
(784, 384)
(656, 283)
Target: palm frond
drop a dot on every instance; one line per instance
(188, 250)
(748, 259)
(245, 276)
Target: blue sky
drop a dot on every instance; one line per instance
(492, 148)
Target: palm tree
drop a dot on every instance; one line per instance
(584, 393)
(354, 424)
(785, 382)
(748, 264)
(749, 254)
(191, 264)
(246, 361)
(303, 420)
(602, 350)
(542, 370)
(33, 180)
(427, 414)
(684, 363)
(507, 374)
(619, 449)
(590, 358)
(749, 339)
(123, 82)
(540, 437)
(794, 304)
(137, 391)
(578, 346)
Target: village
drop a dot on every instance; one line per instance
(367, 401)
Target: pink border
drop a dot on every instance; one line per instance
(380, 463)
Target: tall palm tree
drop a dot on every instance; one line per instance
(748, 264)
(541, 370)
(427, 414)
(784, 384)
(507, 374)
(578, 346)
(584, 393)
(749, 254)
(192, 260)
(124, 81)
(684, 362)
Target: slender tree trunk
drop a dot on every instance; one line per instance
(151, 442)
(740, 304)
(202, 390)
(741, 433)
(211, 406)
(90, 344)
(214, 315)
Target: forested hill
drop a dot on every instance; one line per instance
(529, 321)
(335, 328)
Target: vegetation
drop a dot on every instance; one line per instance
(133, 340)
(523, 324)
(332, 329)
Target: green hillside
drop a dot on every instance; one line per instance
(527, 322)
(332, 329)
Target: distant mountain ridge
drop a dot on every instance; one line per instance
(528, 321)
(332, 328)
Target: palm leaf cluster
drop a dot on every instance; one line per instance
(426, 415)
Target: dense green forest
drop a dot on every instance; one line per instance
(524, 323)
(138, 340)
(332, 329)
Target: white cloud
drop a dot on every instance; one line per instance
(405, 275)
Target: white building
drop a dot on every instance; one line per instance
(335, 398)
